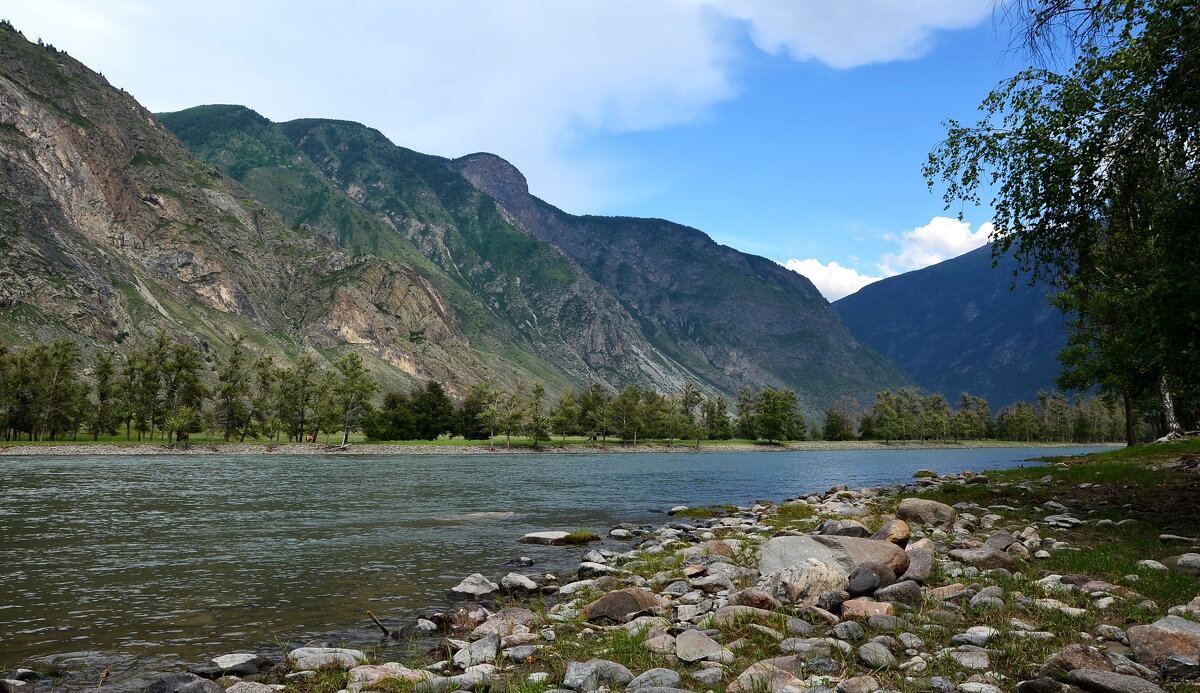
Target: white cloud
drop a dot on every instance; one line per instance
(941, 239)
(832, 280)
(851, 33)
(526, 79)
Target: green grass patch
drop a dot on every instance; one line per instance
(581, 536)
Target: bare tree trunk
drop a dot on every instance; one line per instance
(1168, 408)
(1130, 441)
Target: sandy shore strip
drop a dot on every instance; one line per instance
(84, 448)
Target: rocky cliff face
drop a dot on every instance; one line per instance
(111, 230)
(963, 326)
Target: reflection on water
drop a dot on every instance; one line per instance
(170, 560)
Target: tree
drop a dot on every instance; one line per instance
(715, 417)
(104, 410)
(433, 411)
(183, 390)
(232, 408)
(265, 402)
(689, 404)
(472, 424)
(1093, 169)
(565, 418)
(297, 397)
(837, 425)
(353, 388)
(935, 418)
(512, 412)
(537, 422)
(596, 412)
(778, 418)
(627, 414)
(746, 426)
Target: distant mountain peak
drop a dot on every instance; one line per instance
(493, 175)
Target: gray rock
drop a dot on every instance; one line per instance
(805, 648)
(708, 677)
(182, 683)
(868, 577)
(478, 652)
(875, 656)
(516, 583)
(242, 664)
(581, 677)
(926, 512)
(804, 581)
(921, 564)
(969, 657)
(907, 592)
(975, 635)
(832, 600)
(694, 646)
(884, 622)
(1167, 636)
(1111, 682)
(655, 677)
(250, 687)
(843, 528)
(545, 538)
(610, 672)
(985, 558)
(1180, 667)
(797, 626)
(858, 684)
(520, 653)
(841, 552)
(474, 587)
(848, 630)
(321, 657)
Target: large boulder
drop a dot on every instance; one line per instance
(618, 604)
(370, 676)
(895, 531)
(321, 657)
(1165, 637)
(242, 664)
(985, 558)
(841, 552)
(474, 587)
(182, 683)
(545, 538)
(804, 582)
(927, 512)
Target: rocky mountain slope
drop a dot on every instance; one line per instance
(962, 326)
(733, 317)
(636, 301)
(111, 230)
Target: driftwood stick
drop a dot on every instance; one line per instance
(373, 617)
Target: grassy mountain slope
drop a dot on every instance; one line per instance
(519, 299)
(731, 317)
(957, 327)
(110, 230)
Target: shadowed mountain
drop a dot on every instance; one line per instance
(961, 326)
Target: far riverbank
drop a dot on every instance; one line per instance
(112, 448)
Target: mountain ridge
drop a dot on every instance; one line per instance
(963, 325)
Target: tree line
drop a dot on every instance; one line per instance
(168, 389)
(911, 415)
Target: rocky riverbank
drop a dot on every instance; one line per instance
(115, 448)
(1047, 579)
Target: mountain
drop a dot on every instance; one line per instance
(732, 317)
(963, 326)
(110, 230)
(640, 301)
(318, 236)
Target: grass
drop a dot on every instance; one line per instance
(580, 536)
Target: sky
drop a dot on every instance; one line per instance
(791, 129)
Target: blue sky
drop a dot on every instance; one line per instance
(792, 129)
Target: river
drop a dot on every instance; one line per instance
(157, 562)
